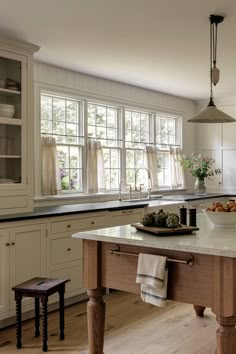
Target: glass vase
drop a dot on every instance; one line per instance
(200, 186)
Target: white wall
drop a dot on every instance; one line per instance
(219, 141)
(115, 92)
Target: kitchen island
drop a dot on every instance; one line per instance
(203, 273)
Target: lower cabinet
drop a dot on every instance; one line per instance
(64, 255)
(46, 249)
(4, 271)
(23, 256)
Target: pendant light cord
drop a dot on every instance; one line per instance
(211, 103)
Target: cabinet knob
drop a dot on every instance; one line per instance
(68, 226)
(92, 222)
(68, 249)
(13, 243)
(7, 244)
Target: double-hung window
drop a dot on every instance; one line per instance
(61, 119)
(104, 124)
(167, 128)
(137, 135)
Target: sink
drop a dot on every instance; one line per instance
(152, 197)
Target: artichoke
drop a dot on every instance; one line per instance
(173, 221)
(160, 219)
(149, 219)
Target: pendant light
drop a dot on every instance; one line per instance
(211, 114)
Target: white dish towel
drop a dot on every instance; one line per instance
(152, 274)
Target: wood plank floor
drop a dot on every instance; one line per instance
(132, 327)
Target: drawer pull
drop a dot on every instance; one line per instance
(68, 226)
(7, 244)
(68, 249)
(13, 243)
(92, 222)
(127, 211)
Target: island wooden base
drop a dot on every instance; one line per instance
(208, 283)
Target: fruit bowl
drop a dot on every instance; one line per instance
(221, 219)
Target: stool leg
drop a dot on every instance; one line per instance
(44, 301)
(37, 332)
(18, 299)
(61, 301)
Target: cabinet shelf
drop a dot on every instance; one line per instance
(7, 92)
(10, 157)
(10, 121)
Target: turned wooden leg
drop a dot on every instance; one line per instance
(96, 320)
(226, 335)
(18, 299)
(61, 302)
(36, 309)
(44, 301)
(199, 310)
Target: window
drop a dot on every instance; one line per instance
(137, 134)
(60, 118)
(104, 125)
(122, 132)
(166, 136)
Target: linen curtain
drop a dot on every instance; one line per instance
(51, 183)
(95, 167)
(177, 179)
(152, 164)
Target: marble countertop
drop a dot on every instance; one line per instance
(208, 240)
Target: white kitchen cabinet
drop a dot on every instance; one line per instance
(16, 130)
(4, 271)
(64, 254)
(27, 255)
(23, 256)
(124, 217)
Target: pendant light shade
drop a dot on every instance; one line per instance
(211, 114)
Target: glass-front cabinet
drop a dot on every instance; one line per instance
(13, 117)
(16, 129)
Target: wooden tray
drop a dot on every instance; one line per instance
(165, 231)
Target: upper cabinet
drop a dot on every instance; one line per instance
(16, 126)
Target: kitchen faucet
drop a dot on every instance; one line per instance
(140, 186)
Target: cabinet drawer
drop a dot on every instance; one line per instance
(92, 222)
(124, 217)
(20, 201)
(65, 250)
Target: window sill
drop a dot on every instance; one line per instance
(60, 199)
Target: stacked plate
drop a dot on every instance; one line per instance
(7, 110)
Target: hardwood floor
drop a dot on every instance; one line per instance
(132, 327)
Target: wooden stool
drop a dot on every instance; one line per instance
(39, 288)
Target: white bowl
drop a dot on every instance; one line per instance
(7, 110)
(221, 219)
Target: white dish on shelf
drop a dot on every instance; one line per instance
(7, 110)
(5, 180)
(221, 219)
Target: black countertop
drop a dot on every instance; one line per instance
(50, 211)
(192, 197)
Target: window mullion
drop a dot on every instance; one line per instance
(84, 118)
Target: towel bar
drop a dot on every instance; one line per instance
(119, 253)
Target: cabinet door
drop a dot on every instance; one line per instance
(13, 121)
(27, 254)
(4, 270)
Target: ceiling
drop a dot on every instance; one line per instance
(157, 44)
